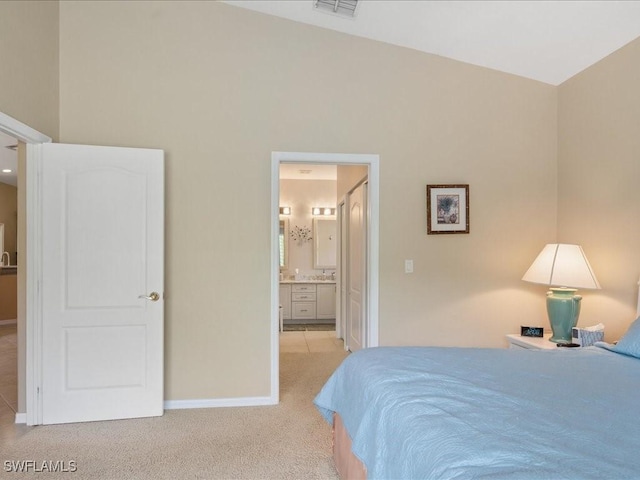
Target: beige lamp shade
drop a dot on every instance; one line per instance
(562, 265)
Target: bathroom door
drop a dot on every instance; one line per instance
(102, 283)
(357, 277)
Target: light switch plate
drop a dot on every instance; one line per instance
(408, 266)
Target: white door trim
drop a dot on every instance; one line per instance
(33, 314)
(340, 318)
(19, 130)
(373, 162)
(33, 320)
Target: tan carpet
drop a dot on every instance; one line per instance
(287, 441)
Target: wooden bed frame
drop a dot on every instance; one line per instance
(347, 464)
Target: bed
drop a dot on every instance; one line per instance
(458, 413)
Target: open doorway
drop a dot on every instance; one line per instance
(8, 228)
(8, 276)
(25, 137)
(309, 245)
(310, 273)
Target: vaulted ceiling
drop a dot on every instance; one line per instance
(545, 40)
(549, 41)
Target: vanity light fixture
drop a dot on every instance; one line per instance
(6, 170)
(285, 210)
(326, 211)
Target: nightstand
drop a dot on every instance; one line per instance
(531, 343)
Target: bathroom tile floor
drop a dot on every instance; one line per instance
(310, 342)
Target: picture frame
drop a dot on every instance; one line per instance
(447, 209)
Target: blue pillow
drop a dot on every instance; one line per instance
(629, 344)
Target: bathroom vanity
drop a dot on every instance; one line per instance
(308, 301)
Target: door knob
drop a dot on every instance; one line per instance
(153, 296)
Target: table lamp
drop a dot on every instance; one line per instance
(564, 268)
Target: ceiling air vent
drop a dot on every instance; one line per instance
(343, 8)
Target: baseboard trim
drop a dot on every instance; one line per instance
(200, 403)
(219, 402)
(11, 321)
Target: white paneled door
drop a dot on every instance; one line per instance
(102, 283)
(357, 276)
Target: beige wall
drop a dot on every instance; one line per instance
(9, 216)
(301, 196)
(598, 175)
(219, 88)
(29, 63)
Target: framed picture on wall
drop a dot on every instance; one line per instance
(447, 209)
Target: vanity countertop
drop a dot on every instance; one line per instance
(10, 270)
(306, 281)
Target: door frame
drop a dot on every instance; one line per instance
(32, 327)
(373, 233)
(341, 319)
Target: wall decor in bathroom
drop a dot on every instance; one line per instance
(301, 234)
(447, 209)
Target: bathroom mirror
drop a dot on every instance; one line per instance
(324, 243)
(283, 241)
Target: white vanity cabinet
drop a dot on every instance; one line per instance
(303, 301)
(308, 301)
(326, 301)
(285, 300)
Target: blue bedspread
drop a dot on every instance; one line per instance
(460, 413)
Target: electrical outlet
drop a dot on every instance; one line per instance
(408, 266)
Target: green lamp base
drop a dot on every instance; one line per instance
(563, 308)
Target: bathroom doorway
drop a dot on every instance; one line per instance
(301, 271)
(308, 258)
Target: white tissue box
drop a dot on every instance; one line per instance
(587, 336)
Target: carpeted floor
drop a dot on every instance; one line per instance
(286, 441)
